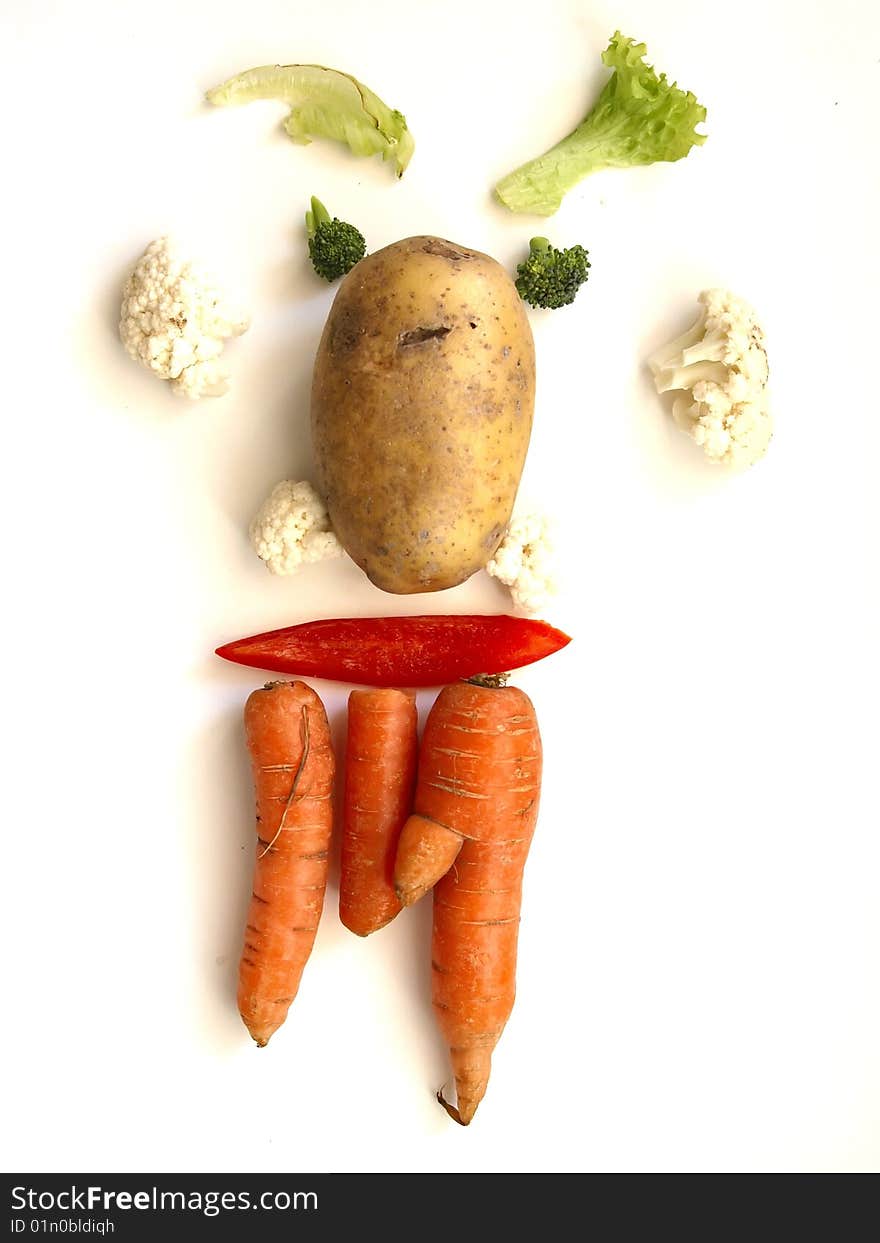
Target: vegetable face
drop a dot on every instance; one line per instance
(422, 404)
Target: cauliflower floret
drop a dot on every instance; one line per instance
(722, 361)
(174, 320)
(524, 562)
(293, 529)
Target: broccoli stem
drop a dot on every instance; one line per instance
(316, 217)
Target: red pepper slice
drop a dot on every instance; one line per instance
(399, 651)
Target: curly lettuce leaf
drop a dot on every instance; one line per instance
(325, 103)
(639, 118)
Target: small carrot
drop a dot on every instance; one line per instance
(288, 738)
(475, 810)
(380, 772)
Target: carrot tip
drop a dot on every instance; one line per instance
(364, 931)
(451, 1110)
(406, 897)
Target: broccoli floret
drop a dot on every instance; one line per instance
(549, 277)
(334, 246)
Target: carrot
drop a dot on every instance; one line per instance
(475, 810)
(380, 772)
(288, 738)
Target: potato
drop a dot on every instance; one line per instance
(422, 403)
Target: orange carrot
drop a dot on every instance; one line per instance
(380, 772)
(476, 805)
(288, 738)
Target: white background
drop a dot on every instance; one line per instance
(699, 966)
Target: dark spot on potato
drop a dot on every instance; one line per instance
(347, 328)
(445, 250)
(418, 336)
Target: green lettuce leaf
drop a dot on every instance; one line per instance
(325, 103)
(639, 118)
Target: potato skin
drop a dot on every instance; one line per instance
(422, 402)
